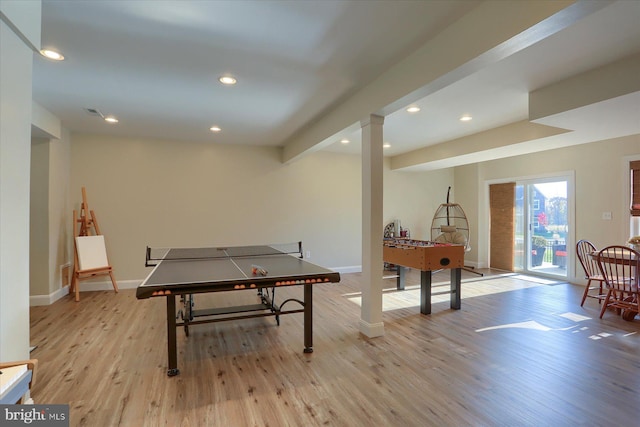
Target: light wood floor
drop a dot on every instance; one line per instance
(520, 352)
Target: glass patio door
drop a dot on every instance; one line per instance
(541, 226)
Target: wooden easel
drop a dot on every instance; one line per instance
(87, 225)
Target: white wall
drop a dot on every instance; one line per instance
(39, 218)
(414, 197)
(51, 218)
(468, 193)
(173, 193)
(60, 211)
(16, 60)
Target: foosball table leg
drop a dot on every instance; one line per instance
(400, 280)
(456, 275)
(425, 292)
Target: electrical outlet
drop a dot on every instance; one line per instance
(308, 254)
(606, 215)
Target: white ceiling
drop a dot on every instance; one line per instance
(155, 65)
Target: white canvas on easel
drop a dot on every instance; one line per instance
(92, 252)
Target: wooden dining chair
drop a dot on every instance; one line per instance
(586, 252)
(620, 267)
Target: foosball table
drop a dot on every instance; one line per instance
(427, 257)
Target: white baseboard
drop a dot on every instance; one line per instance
(474, 264)
(358, 268)
(36, 300)
(108, 286)
(348, 269)
(371, 330)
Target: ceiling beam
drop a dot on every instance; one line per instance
(616, 79)
(469, 149)
(489, 33)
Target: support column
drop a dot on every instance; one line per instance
(372, 228)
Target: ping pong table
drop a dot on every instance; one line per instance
(262, 268)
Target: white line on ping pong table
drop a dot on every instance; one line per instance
(238, 267)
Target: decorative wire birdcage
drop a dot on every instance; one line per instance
(450, 225)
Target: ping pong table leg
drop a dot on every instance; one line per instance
(456, 274)
(172, 350)
(308, 319)
(425, 292)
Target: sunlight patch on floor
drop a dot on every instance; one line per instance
(574, 317)
(575, 329)
(393, 299)
(540, 280)
(600, 336)
(529, 324)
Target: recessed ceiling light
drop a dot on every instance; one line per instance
(413, 109)
(386, 145)
(51, 54)
(466, 118)
(227, 80)
(344, 141)
(215, 129)
(110, 119)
